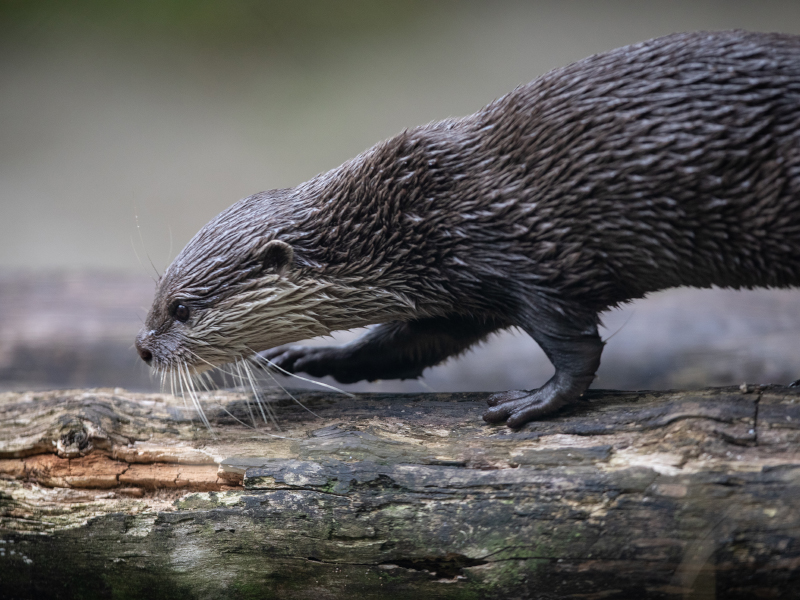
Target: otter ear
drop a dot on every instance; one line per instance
(276, 256)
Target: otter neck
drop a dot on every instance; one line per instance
(378, 221)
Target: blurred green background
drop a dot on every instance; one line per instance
(126, 126)
(172, 110)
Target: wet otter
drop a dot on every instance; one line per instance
(672, 162)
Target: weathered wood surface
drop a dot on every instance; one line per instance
(105, 493)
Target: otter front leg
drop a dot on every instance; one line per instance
(395, 350)
(576, 357)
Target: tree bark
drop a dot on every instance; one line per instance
(677, 495)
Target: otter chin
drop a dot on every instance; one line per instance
(672, 162)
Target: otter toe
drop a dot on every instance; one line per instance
(523, 407)
(501, 412)
(285, 357)
(503, 397)
(530, 411)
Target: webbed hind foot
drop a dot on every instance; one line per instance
(517, 407)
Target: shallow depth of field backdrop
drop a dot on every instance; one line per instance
(124, 127)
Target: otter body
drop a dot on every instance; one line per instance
(673, 162)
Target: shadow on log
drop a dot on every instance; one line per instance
(105, 493)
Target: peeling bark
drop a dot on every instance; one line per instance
(105, 493)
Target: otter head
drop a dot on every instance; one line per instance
(234, 290)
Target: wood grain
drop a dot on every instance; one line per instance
(105, 493)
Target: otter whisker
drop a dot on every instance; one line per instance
(176, 373)
(184, 385)
(288, 393)
(255, 356)
(426, 386)
(199, 379)
(198, 383)
(141, 239)
(225, 382)
(141, 264)
(186, 376)
(232, 416)
(209, 380)
(249, 408)
(172, 381)
(269, 363)
(243, 381)
(247, 378)
(219, 369)
(633, 312)
(252, 379)
(242, 384)
(152, 374)
(185, 395)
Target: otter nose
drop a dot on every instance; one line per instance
(144, 353)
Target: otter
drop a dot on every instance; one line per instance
(671, 162)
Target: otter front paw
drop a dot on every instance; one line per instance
(317, 361)
(518, 407)
(308, 359)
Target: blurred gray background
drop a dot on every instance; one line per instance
(126, 126)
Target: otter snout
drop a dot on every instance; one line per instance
(143, 351)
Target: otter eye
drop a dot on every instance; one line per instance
(181, 312)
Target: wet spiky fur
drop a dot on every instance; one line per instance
(671, 162)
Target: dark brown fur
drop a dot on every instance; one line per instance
(673, 162)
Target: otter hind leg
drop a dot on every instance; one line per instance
(574, 352)
(395, 350)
